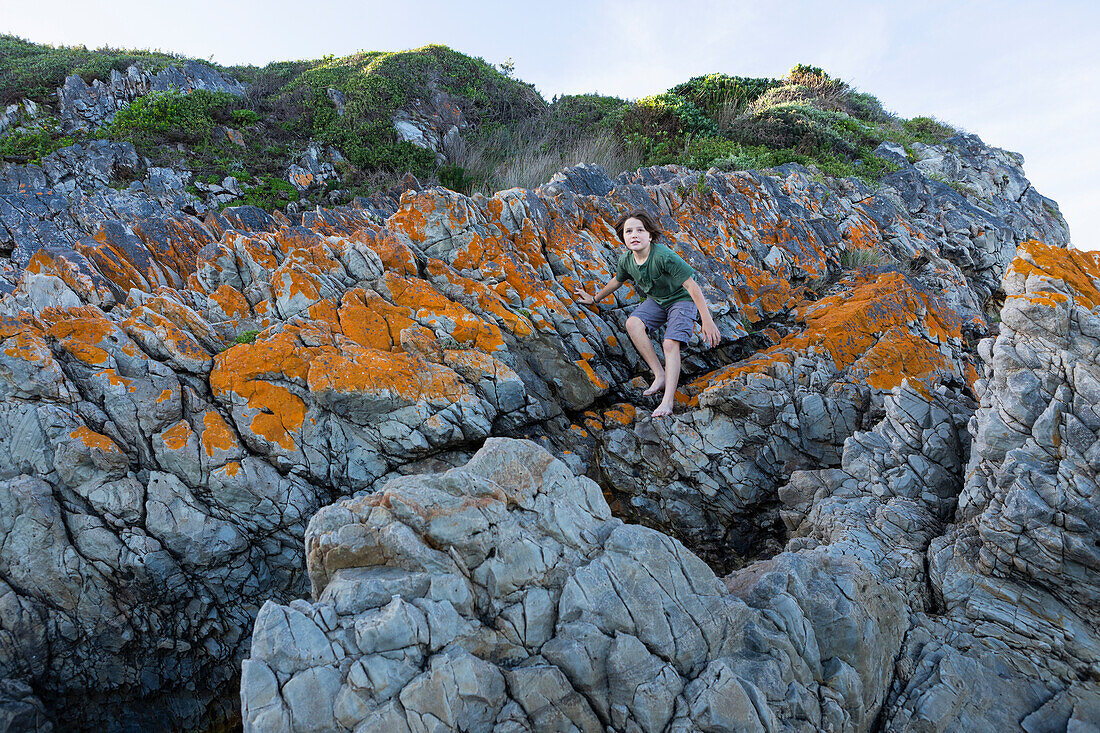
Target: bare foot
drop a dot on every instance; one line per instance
(662, 410)
(657, 386)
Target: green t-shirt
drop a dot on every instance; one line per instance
(660, 277)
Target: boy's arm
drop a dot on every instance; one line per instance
(710, 331)
(582, 295)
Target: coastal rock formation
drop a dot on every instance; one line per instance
(84, 106)
(181, 390)
(1015, 580)
(502, 595)
(986, 636)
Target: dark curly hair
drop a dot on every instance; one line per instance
(647, 221)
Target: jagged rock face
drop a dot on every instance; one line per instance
(85, 107)
(503, 596)
(159, 464)
(434, 124)
(24, 113)
(64, 210)
(1015, 580)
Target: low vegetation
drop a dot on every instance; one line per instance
(35, 71)
(513, 137)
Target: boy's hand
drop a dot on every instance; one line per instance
(710, 334)
(583, 296)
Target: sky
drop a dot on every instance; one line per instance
(1022, 75)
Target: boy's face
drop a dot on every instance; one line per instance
(635, 235)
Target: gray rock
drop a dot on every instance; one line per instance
(85, 107)
(636, 621)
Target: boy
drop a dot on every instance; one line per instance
(672, 295)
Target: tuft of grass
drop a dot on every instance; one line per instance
(246, 337)
(528, 155)
(854, 259)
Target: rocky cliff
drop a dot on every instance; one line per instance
(373, 468)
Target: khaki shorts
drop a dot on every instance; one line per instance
(681, 317)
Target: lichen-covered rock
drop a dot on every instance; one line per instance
(1013, 640)
(178, 396)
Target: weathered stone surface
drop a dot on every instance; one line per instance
(317, 166)
(502, 595)
(85, 107)
(434, 123)
(179, 396)
(1014, 637)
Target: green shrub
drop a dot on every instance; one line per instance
(457, 178)
(35, 70)
(928, 130)
(246, 337)
(270, 193)
(172, 116)
(31, 146)
(584, 113)
(244, 117)
(714, 91)
(688, 118)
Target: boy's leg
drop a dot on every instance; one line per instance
(681, 321)
(672, 377)
(646, 316)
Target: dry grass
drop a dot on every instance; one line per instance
(529, 155)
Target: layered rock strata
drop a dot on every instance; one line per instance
(180, 394)
(972, 591)
(1011, 637)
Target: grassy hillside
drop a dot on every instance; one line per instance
(514, 138)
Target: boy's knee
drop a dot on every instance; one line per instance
(635, 325)
(671, 346)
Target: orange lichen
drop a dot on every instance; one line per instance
(95, 440)
(395, 255)
(47, 263)
(370, 321)
(230, 300)
(591, 374)
(291, 282)
(23, 341)
(115, 264)
(882, 328)
(177, 436)
(486, 298)
(621, 414)
(164, 332)
(281, 412)
(302, 180)
(411, 218)
(80, 331)
(428, 304)
(1078, 270)
(860, 232)
(242, 370)
(899, 354)
(173, 243)
(362, 370)
(216, 434)
(165, 395)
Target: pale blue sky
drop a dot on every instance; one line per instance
(1023, 75)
